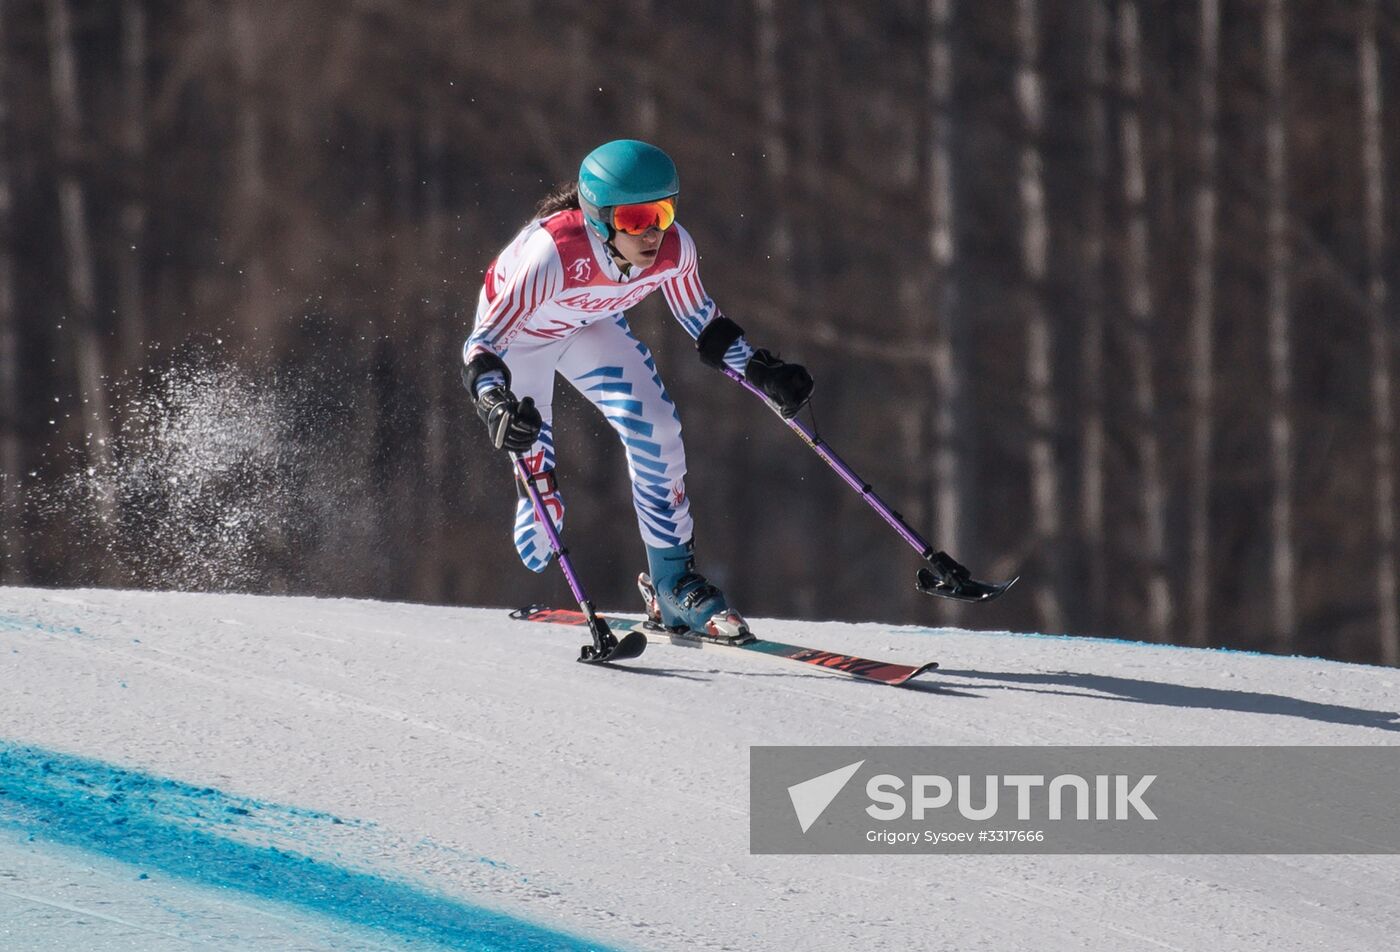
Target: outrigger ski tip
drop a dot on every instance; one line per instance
(631, 645)
(962, 590)
(946, 577)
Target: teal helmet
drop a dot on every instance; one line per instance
(623, 172)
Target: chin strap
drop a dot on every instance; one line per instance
(622, 263)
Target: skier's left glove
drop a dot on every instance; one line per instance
(787, 385)
(513, 425)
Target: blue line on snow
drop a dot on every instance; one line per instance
(202, 834)
(16, 623)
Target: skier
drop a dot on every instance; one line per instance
(554, 301)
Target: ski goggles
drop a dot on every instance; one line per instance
(637, 219)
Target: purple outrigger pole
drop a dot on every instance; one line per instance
(944, 576)
(605, 645)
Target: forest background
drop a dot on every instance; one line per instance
(1096, 291)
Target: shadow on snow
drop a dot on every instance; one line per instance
(1137, 690)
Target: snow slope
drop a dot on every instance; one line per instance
(347, 774)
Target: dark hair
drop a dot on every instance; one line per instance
(563, 198)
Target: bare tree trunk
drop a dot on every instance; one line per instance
(647, 109)
(777, 169)
(1203, 328)
(1379, 316)
(441, 362)
(11, 469)
(1044, 418)
(131, 303)
(949, 357)
(1141, 313)
(1280, 336)
(582, 67)
(250, 192)
(1092, 437)
(773, 119)
(397, 502)
(77, 246)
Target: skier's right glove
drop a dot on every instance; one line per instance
(787, 385)
(513, 425)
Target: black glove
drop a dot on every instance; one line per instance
(513, 425)
(787, 385)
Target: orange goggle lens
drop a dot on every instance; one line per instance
(636, 219)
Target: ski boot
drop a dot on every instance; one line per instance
(680, 599)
